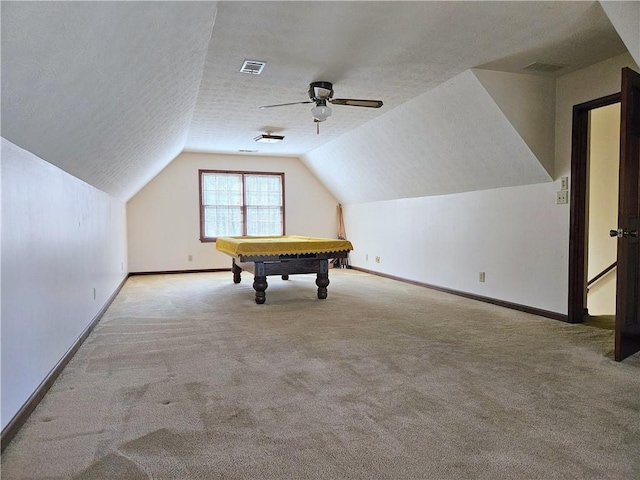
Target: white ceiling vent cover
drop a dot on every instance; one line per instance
(253, 67)
(540, 67)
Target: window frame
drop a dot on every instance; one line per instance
(244, 174)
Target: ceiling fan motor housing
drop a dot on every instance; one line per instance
(320, 91)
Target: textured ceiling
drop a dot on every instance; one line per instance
(422, 148)
(392, 51)
(103, 90)
(112, 91)
(625, 16)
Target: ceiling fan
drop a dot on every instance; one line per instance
(321, 93)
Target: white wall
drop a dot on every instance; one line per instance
(511, 234)
(61, 238)
(604, 163)
(164, 223)
(517, 235)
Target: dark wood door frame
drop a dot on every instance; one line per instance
(578, 221)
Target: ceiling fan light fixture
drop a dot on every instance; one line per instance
(269, 138)
(321, 113)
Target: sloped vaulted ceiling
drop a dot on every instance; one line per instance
(453, 138)
(103, 90)
(625, 16)
(113, 91)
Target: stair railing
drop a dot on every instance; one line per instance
(601, 274)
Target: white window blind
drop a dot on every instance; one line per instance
(241, 203)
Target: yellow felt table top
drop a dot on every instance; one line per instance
(280, 245)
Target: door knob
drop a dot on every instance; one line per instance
(620, 233)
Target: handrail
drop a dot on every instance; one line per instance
(602, 274)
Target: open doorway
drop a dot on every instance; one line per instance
(578, 234)
(603, 162)
(627, 233)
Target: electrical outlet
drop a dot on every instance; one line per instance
(94, 293)
(366, 257)
(482, 276)
(564, 183)
(377, 259)
(562, 197)
(190, 258)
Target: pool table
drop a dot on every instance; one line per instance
(282, 255)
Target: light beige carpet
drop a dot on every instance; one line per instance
(186, 377)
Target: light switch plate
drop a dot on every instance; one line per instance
(564, 183)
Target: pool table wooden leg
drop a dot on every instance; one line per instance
(260, 282)
(236, 272)
(322, 280)
(260, 285)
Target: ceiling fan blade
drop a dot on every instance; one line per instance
(284, 104)
(356, 103)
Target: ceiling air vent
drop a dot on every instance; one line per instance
(539, 67)
(269, 138)
(253, 67)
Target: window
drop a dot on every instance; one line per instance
(240, 203)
